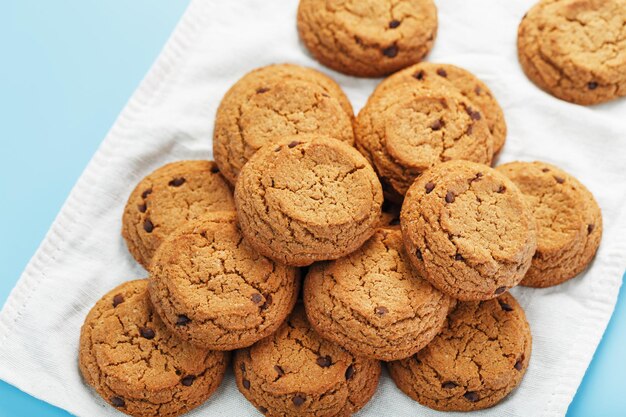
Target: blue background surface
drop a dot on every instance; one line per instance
(67, 69)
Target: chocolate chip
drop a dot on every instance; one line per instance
(147, 333)
(177, 182)
(442, 73)
(279, 370)
(117, 300)
(267, 303)
(419, 75)
(146, 193)
(117, 402)
(215, 169)
(148, 226)
(449, 385)
(391, 51)
(349, 371)
(559, 180)
(188, 380)
(262, 90)
(324, 361)
(477, 177)
(294, 144)
(394, 24)
(475, 115)
(592, 85)
(256, 298)
(545, 170)
(518, 364)
(381, 311)
(298, 400)
(178, 372)
(469, 129)
(499, 290)
(450, 197)
(245, 383)
(142, 207)
(437, 124)
(458, 257)
(471, 396)
(590, 228)
(505, 306)
(478, 90)
(182, 320)
(429, 187)
(501, 189)
(262, 410)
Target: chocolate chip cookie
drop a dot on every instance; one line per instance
(575, 49)
(368, 38)
(479, 357)
(407, 129)
(295, 372)
(168, 198)
(569, 221)
(468, 229)
(372, 302)
(306, 199)
(137, 365)
(213, 290)
(272, 102)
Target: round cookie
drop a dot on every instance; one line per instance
(306, 199)
(569, 221)
(272, 102)
(168, 198)
(429, 74)
(479, 357)
(468, 230)
(372, 302)
(137, 365)
(212, 289)
(367, 38)
(575, 49)
(295, 372)
(405, 130)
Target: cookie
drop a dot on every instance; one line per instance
(168, 198)
(575, 49)
(367, 38)
(295, 372)
(569, 221)
(137, 365)
(213, 290)
(479, 357)
(372, 302)
(428, 74)
(306, 199)
(405, 130)
(468, 230)
(272, 102)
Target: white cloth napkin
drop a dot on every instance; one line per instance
(170, 117)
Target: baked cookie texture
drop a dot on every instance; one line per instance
(367, 38)
(430, 74)
(213, 290)
(575, 49)
(137, 365)
(479, 357)
(295, 372)
(306, 199)
(272, 102)
(405, 130)
(468, 230)
(168, 198)
(372, 302)
(569, 221)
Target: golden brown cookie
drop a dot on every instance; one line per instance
(479, 357)
(575, 49)
(272, 102)
(212, 289)
(407, 129)
(367, 38)
(137, 365)
(569, 221)
(295, 372)
(429, 74)
(372, 302)
(306, 199)
(168, 198)
(468, 230)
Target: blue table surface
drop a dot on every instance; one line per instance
(67, 70)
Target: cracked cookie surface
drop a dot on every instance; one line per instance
(372, 302)
(479, 357)
(168, 198)
(368, 38)
(137, 365)
(575, 49)
(272, 102)
(407, 129)
(295, 372)
(569, 221)
(468, 229)
(212, 289)
(306, 199)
